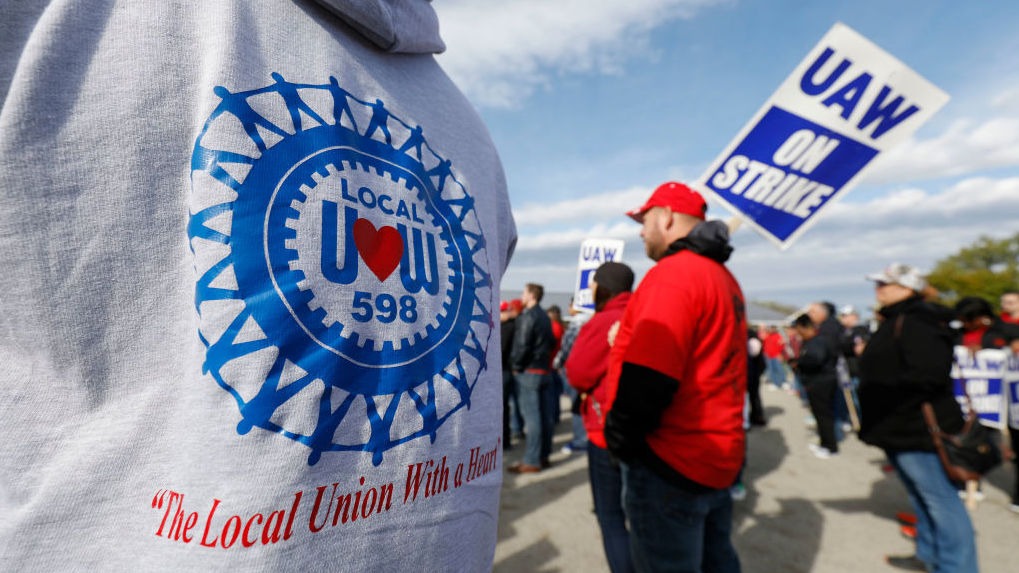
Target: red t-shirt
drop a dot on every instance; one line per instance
(687, 320)
(974, 338)
(774, 345)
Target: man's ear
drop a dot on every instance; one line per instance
(669, 218)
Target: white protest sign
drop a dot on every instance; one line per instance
(593, 252)
(843, 105)
(983, 373)
(1012, 387)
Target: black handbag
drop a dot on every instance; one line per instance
(971, 453)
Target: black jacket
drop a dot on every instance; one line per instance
(816, 362)
(533, 341)
(507, 330)
(908, 362)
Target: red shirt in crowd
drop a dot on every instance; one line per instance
(557, 334)
(774, 345)
(687, 321)
(588, 365)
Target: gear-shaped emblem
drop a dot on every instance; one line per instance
(342, 290)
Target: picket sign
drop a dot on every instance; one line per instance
(985, 374)
(1011, 381)
(593, 252)
(846, 103)
(991, 378)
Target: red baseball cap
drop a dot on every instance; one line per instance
(677, 197)
(504, 306)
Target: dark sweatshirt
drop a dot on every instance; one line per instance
(908, 362)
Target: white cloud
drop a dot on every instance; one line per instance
(572, 238)
(1007, 100)
(593, 207)
(499, 52)
(967, 146)
(974, 202)
(971, 200)
(913, 225)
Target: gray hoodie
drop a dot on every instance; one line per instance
(250, 254)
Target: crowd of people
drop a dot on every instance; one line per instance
(648, 379)
(313, 156)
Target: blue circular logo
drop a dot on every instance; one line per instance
(342, 291)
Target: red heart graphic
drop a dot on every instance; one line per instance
(381, 249)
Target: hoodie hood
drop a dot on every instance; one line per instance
(710, 239)
(399, 26)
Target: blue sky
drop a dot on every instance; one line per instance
(593, 103)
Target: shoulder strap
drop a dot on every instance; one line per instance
(954, 472)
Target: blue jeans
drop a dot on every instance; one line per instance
(776, 371)
(532, 395)
(800, 391)
(607, 490)
(674, 530)
(944, 533)
(842, 407)
(516, 420)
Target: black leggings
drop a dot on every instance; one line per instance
(821, 394)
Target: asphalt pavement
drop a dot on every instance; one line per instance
(801, 513)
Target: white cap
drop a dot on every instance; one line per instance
(900, 274)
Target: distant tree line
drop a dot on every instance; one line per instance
(987, 268)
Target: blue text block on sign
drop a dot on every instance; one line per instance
(786, 169)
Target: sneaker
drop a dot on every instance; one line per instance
(906, 562)
(977, 495)
(810, 422)
(571, 449)
(908, 531)
(1014, 507)
(522, 468)
(821, 452)
(738, 492)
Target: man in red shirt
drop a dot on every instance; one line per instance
(774, 349)
(1010, 306)
(676, 415)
